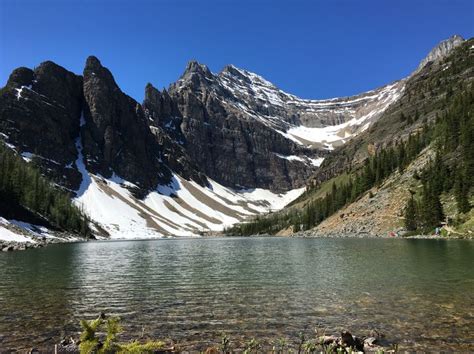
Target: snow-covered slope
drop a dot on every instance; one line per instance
(182, 208)
(20, 231)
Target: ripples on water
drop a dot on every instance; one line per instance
(418, 292)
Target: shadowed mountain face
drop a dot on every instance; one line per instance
(116, 136)
(233, 127)
(40, 113)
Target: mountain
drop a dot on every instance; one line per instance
(421, 147)
(211, 150)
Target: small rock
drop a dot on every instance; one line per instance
(370, 341)
(326, 340)
(376, 334)
(347, 340)
(359, 343)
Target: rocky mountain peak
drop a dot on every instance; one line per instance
(98, 74)
(195, 67)
(116, 136)
(196, 78)
(93, 62)
(233, 72)
(20, 77)
(441, 50)
(151, 92)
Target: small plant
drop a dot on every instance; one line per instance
(310, 347)
(328, 349)
(92, 343)
(252, 346)
(301, 343)
(225, 344)
(137, 347)
(279, 346)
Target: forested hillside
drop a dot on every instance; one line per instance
(26, 195)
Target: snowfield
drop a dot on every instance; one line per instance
(8, 235)
(182, 208)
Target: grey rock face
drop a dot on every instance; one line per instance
(165, 120)
(230, 146)
(441, 50)
(234, 125)
(116, 135)
(162, 111)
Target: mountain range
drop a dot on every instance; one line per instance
(212, 150)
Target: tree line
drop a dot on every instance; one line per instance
(22, 187)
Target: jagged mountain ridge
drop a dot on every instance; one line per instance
(237, 121)
(213, 132)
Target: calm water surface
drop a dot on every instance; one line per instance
(420, 293)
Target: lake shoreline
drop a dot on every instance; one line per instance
(369, 236)
(9, 246)
(344, 341)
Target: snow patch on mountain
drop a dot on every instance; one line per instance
(181, 208)
(6, 234)
(20, 231)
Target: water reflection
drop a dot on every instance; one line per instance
(418, 292)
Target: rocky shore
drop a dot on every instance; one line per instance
(37, 242)
(397, 235)
(345, 342)
(20, 246)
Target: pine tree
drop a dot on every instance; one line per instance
(410, 214)
(461, 192)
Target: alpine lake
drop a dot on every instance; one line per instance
(418, 293)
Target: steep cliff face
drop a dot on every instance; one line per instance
(39, 114)
(164, 120)
(49, 114)
(116, 136)
(233, 148)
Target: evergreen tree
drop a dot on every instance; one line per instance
(461, 192)
(410, 214)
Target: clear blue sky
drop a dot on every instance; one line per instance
(314, 49)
